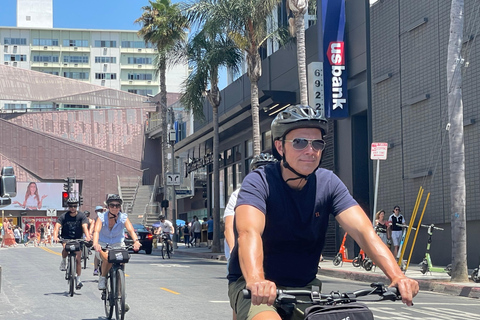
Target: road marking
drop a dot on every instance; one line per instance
(50, 251)
(421, 313)
(168, 290)
(169, 265)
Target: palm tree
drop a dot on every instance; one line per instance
(246, 22)
(207, 51)
(299, 8)
(162, 25)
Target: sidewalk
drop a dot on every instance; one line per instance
(435, 281)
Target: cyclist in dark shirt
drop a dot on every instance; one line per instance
(74, 224)
(297, 196)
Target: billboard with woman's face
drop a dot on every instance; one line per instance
(37, 196)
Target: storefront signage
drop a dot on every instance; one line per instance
(197, 163)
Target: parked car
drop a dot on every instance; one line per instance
(144, 235)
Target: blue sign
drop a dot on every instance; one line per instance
(334, 64)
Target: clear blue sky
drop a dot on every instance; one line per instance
(84, 14)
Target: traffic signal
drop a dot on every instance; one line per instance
(80, 200)
(68, 185)
(64, 199)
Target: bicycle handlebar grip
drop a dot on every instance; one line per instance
(246, 294)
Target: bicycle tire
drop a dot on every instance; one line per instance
(163, 250)
(338, 258)
(168, 250)
(71, 274)
(475, 275)
(108, 303)
(448, 269)
(120, 295)
(84, 256)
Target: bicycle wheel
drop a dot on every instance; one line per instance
(163, 250)
(84, 256)
(368, 264)
(108, 294)
(337, 259)
(120, 295)
(167, 251)
(71, 274)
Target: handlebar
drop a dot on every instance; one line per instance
(405, 226)
(432, 226)
(292, 296)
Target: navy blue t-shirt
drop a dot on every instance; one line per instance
(296, 222)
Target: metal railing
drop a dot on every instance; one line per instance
(151, 207)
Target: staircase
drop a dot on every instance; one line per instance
(142, 199)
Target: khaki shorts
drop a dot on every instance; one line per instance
(246, 311)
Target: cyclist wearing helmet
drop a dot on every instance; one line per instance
(165, 227)
(109, 230)
(74, 224)
(91, 223)
(295, 192)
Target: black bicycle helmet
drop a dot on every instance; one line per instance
(161, 217)
(295, 117)
(261, 160)
(72, 201)
(114, 197)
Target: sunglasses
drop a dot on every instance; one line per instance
(114, 205)
(72, 206)
(302, 143)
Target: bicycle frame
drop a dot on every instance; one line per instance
(71, 270)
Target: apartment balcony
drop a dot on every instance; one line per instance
(137, 66)
(46, 48)
(75, 49)
(153, 125)
(139, 83)
(138, 50)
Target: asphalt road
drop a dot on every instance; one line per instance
(184, 287)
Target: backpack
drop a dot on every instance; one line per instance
(185, 230)
(350, 311)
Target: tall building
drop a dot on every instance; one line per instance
(111, 58)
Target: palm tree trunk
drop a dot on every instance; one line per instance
(301, 57)
(163, 115)
(457, 149)
(254, 73)
(216, 183)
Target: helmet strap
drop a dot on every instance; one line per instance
(287, 166)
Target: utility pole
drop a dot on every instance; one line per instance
(172, 140)
(455, 65)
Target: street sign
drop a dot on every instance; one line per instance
(379, 151)
(51, 212)
(173, 179)
(183, 192)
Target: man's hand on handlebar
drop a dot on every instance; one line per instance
(136, 245)
(408, 288)
(262, 292)
(97, 247)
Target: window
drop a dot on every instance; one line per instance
(18, 41)
(142, 92)
(75, 106)
(15, 106)
(238, 175)
(140, 76)
(267, 140)
(75, 43)
(15, 57)
(45, 58)
(105, 59)
(248, 148)
(55, 73)
(75, 59)
(107, 76)
(105, 43)
(134, 60)
(45, 42)
(231, 182)
(136, 44)
(76, 75)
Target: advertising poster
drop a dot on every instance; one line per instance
(37, 196)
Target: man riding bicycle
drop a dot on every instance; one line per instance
(295, 192)
(109, 228)
(74, 224)
(166, 227)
